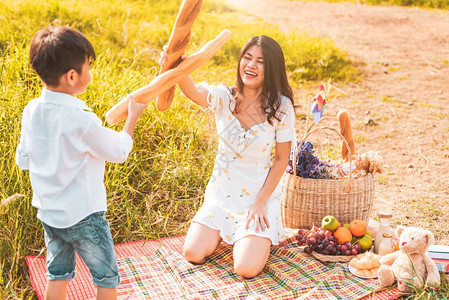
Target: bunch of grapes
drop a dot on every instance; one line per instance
(322, 241)
(309, 166)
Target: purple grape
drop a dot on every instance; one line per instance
(322, 234)
(307, 249)
(325, 252)
(311, 241)
(348, 252)
(354, 251)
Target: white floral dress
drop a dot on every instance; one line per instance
(241, 166)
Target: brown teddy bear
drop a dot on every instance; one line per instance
(410, 266)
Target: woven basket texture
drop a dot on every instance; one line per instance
(332, 258)
(306, 201)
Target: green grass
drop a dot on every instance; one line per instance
(420, 3)
(440, 4)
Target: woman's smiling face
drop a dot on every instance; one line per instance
(252, 68)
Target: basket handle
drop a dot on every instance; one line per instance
(322, 118)
(341, 137)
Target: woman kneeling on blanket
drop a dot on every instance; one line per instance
(243, 196)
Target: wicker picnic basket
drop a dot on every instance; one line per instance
(306, 201)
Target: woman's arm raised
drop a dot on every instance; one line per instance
(196, 93)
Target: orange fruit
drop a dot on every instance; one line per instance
(342, 235)
(357, 227)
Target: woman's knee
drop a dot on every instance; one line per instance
(193, 255)
(247, 269)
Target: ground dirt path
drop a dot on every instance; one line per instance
(403, 54)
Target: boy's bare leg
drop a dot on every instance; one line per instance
(106, 293)
(201, 241)
(56, 289)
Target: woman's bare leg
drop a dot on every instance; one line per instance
(201, 241)
(251, 255)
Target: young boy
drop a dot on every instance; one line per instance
(64, 146)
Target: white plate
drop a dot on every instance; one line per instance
(353, 270)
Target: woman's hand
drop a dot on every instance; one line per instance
(258, 213)
(187, 85)
(163, 58)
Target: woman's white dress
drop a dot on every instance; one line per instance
(241, 166)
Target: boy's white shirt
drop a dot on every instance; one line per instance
(64, 146)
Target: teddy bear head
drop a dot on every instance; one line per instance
(413, 240)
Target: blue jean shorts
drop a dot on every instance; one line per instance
(91, 238)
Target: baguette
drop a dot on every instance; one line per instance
(346, 131)
(164, 81)
(179, 39)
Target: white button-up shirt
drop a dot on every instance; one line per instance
(64, 146)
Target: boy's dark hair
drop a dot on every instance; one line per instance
(56, 50)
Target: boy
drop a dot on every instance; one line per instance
(64, 147)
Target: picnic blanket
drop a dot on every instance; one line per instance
(156, 270)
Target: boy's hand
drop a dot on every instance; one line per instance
(135, 109)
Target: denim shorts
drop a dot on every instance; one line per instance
(91, 239)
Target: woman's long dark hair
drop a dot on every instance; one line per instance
(275, 82)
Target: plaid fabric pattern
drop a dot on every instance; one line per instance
(156, 270)
(289, 274)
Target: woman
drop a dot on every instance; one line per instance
(242, 198)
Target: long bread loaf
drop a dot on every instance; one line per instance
(166, 80)
(179, 39)
(346, 131)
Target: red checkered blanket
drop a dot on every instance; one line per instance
(157, 270)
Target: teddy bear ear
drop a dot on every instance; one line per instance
(430, 239)
(399, 230)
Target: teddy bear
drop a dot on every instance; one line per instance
(410, 266)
